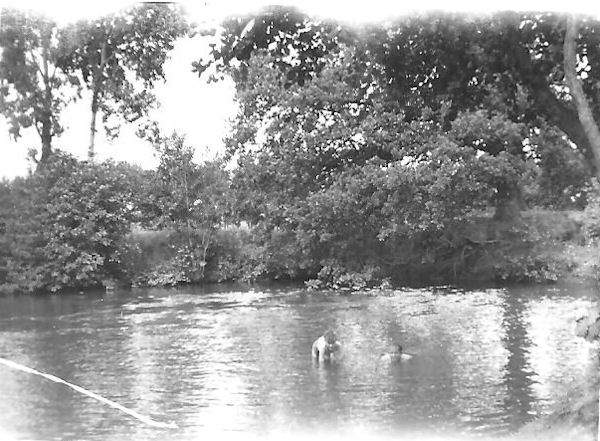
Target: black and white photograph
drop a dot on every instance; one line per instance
(258, 220)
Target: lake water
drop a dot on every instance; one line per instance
(235, 361)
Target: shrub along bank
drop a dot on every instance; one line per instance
(544, 246)
(77, 225)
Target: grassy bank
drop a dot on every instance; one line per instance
(541, 246)
(544, 246)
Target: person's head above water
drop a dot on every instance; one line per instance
(330, 337)
(325, 346)
(397, 354)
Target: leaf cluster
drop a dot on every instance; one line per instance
(64, 226)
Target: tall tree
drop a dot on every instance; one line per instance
(120, 57)
(337, 168)
(588, 326)
(510, 62)
(192, 199)
(33, 87)
(584, 111)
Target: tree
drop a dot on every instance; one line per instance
(588, 326)
(67, 225)
(297, 42)
(415, 125)
(584, 110)
(119, 58)
(563, 175)
(494, 134)
(33, 87)
(192, 199)
(337, 168)
(508, 62)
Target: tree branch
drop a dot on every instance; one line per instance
(36, 64)
(558, 112)
(38, 129)
(584, 111)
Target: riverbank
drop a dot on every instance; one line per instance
(541, 246)
(76, 225)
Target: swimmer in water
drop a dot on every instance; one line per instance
(396, 355)
(325, 347)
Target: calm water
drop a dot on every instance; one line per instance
(238, 361)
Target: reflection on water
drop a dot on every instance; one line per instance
(487, 361)
(518, 375)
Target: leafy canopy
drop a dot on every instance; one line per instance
(120, 57)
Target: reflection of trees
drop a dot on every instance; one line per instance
(518, 380)
(468, 330)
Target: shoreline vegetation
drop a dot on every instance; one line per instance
(545, 246)
(535, 253)
(77, 225)
(415, 151)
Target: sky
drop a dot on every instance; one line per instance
(195, 109)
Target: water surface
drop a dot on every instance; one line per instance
(237, 361)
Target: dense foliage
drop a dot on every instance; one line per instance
(366, 194)
(33, 89)
(506, 62)
(74, 225)
(190, 201)
(118, 58)
(425, 150)
(64, 225)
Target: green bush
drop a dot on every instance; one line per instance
(67, 225)
(169, 272)
(536, 268)
(564, 177)
(337, 277)
(236, 256)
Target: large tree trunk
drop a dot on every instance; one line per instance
(91, 152)
(46, 116)
(97, 85)
(565, 118)
(46, 152)
(46, 132)
(584, 111)
(46, 143)
(509, 202)
(556, 111)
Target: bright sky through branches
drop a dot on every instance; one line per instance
(189, 105)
